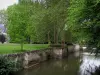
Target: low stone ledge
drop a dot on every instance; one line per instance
(36, 56)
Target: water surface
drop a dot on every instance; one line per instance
(68, 66)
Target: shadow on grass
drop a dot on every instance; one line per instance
(19, 51)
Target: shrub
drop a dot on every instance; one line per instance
(7, 67)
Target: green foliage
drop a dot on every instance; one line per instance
(57, 18)
(75, 14)
(38, 21)
(17, 22)
(92, 21)
(35, 28)
(83, 21)
(7, 67)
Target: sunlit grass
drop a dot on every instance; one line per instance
(14, 48)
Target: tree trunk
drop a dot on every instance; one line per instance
(48, 37)
(22, 46)
(54, 34)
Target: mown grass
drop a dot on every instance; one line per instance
(15, 48)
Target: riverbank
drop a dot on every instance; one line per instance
(30, 58)
(82, 65)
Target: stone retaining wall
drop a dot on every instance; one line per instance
(31, 58)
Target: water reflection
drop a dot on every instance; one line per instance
(89, 63)
(69, 66)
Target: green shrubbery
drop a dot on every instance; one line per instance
(7, 67)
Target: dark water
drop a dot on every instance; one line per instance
(68, 66)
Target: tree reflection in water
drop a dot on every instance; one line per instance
(67, 66)
(90, 65)
(85, 65)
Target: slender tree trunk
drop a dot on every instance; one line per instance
(22, 45)
(54, 34)
(48, 37)
(56, 37)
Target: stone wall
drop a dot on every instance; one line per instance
(32, 58)
(59, 53)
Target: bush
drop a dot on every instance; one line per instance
(7, 67)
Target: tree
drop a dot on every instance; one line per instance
(41, 20)
(17, 23)
(47, 20)
(3, 17)
(83, 21)
(92, 15)
(57, 13)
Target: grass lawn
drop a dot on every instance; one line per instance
(15, 48)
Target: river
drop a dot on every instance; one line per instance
(67, 66)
